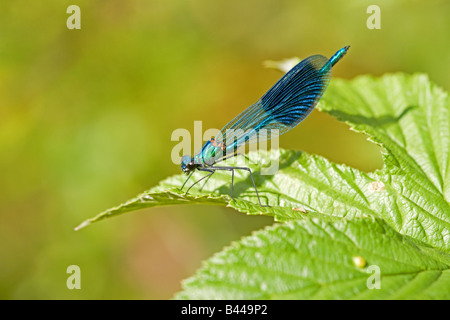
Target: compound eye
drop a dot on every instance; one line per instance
(185, 160)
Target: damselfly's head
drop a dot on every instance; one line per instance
(187, 164)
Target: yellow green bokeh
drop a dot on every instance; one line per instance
(86, 118)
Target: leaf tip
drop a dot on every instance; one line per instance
(82, 225)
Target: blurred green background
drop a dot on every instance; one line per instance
(86, 118)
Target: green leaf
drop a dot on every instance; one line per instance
(410, 118)
(407, 115)
(313, 259)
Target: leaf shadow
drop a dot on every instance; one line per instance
(371, 121)
(246, 187)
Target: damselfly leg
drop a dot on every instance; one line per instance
(232, 176)
(213, 169)
(232, 180)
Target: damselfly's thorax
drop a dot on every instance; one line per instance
(212, 151)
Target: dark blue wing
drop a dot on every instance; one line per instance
(283, 107)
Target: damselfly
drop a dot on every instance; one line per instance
(283, 107)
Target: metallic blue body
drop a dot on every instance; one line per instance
(282, 108)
